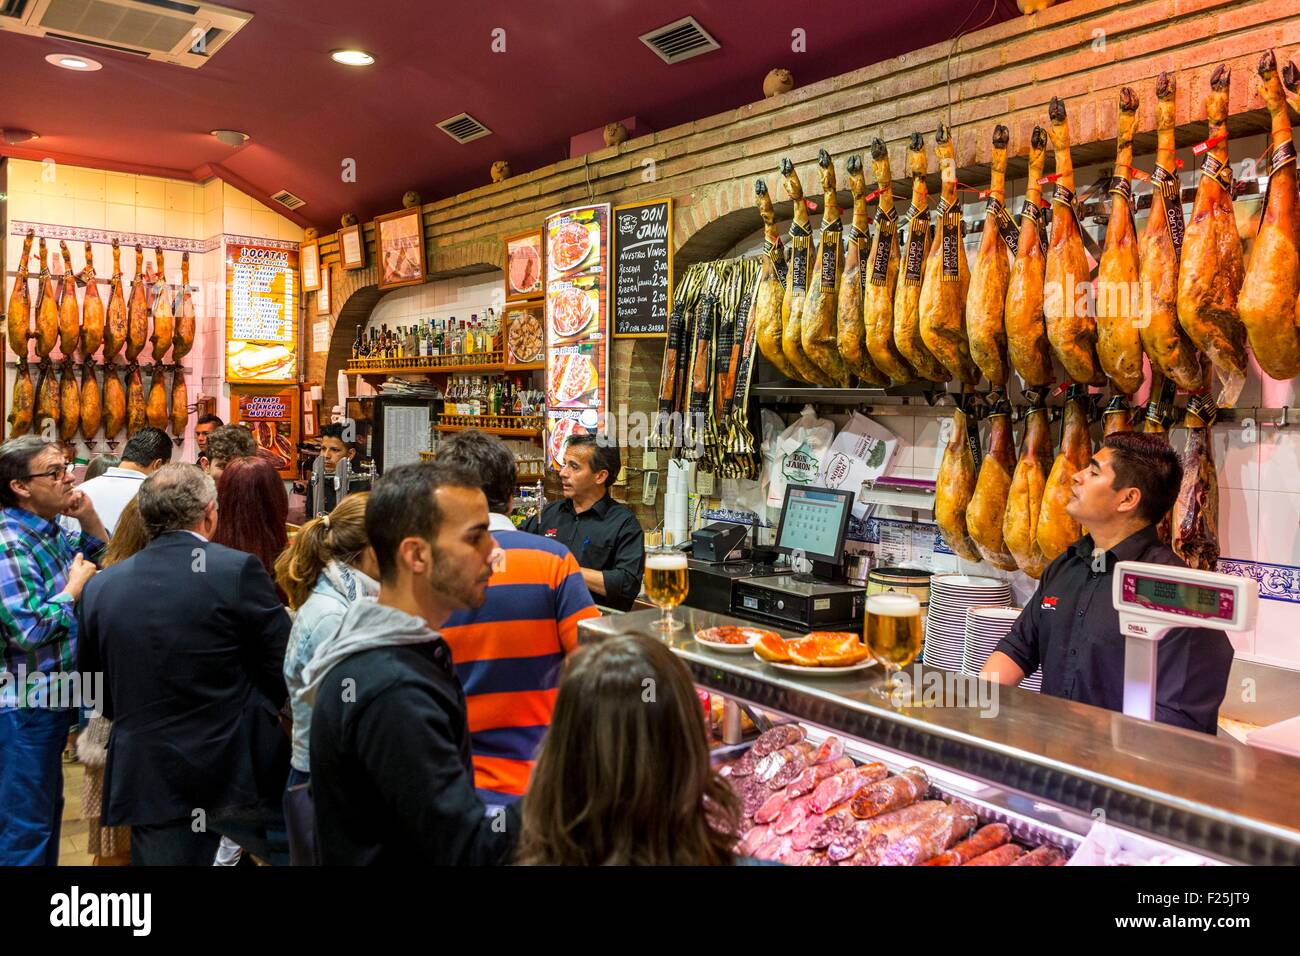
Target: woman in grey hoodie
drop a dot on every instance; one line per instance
(326, 569)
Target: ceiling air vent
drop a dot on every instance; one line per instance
(288, 200)
(680, 40)
(171, 31)
(464, 128)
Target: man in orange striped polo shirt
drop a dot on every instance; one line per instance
(509, 652)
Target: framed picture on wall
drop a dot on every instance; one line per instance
(399, 244)
(309, 262)
(323, 305)
(352, 247)
(524, 265)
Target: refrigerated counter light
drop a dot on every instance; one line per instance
(1044, 764)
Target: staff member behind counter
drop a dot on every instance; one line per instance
(603, 534)
(1071, 628)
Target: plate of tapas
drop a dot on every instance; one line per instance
(818, 654)
(729, 639)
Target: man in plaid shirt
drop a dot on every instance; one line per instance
(42, 571)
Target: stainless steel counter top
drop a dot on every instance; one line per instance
(1209, 794)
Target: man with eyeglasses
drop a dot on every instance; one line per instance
(43, 569)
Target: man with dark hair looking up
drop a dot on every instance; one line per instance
(390, 748)
(1070, 628)
(602, 533)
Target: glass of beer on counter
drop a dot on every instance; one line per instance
(666, 585)
(893, 634)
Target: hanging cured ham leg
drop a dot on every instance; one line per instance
(24, 398)
(1271, 288)
(69, 314)
(796, 282)
(115, 321)
(1118, 417)
(1025, 498)
(1027, 346)
(69, 404)
(1196, 510)
(136, 411)
(47, 417)
(156, 404)
(47, 309)
(907, 295)
(986, 300)
(1163, 339)
(955, 486)
(947, 278)
(820, 313)
(180, 404)
(91, 403)
(850, 334)
(1056, 529)
(114, 405)
(1210, 272)
(1071, 327)
(184, 339)
(164, 321)
(987, 510)
(767, 300)
(882, 266)
(18, 315)
(137, 311)
(92, 310)
(1119, 343)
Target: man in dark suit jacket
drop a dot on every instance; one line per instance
(190, 637)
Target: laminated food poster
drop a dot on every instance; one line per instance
(272, 416)
(577, 324)
(261, 314)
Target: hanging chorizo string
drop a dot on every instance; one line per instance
(699, 378)
(668, 428)
(741, 461)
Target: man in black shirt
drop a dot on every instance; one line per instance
(1070, 628)
(603, 534)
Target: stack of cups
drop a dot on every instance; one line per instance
(675, 523)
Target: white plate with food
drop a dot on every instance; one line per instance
(525, 270)
(571, 244)
(561, 430)
(730, 639)
(573, 375)
(524, 338)
(819, 671)
(572, 310)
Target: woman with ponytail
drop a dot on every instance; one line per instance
(324, 571)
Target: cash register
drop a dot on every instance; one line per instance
(810, 592)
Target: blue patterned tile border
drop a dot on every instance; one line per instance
(150, 241)
(1277, 582)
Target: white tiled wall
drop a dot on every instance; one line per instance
(121, 202)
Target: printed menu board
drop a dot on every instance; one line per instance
(643, 271)
(272, 416)
(261, 314)
(577, 319)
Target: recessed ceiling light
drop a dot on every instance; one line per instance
(230, 137)
(81, 64)
(352, 57)
(15, 136)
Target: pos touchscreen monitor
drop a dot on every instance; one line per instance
(814, 522)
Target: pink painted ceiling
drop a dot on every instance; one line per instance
(569, 66)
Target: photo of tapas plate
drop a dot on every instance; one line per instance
(561, 430)
(572, 376)
(569, 245)
(525, 269)
(729, 639)
(524, 337)
(572, 310)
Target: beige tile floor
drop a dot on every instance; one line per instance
(72, 842)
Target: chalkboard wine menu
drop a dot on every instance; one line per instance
(643, 270)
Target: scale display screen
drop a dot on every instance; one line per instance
(1179, 597)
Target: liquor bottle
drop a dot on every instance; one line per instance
(437, 340)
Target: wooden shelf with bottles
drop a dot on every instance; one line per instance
(431, 364)
(505, 426)
(530, 471)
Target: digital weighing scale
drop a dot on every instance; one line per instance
(1154, 598)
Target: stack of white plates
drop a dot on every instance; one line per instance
(951, 596)
(985, 628)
